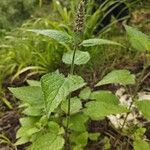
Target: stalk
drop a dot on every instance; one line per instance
(78, 31)
(140, 81)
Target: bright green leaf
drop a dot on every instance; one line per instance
(48, 141)
(80, 57)
(98, 110)
(30, 94)
(141, 145)
(105, 96)
(33, 111)
(80, 139)
(33, 83)
(77, 122)
(94, 136)
(95, 42)
(22, 140)
(75, 105)
(139, 40)
(59, 36)
(85, 93)
(144, 107)
(28, 121)
(123, 77)
(26, 131)
(56, 88)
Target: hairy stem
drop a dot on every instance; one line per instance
(69, 103)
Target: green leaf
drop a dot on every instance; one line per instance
(53, 127)
(80, 139)
(34, 83)
(48, 141)
(123, 77)
(77, 122)
(29, 94)
(75, 105)
(105, 96)
(80, 57)
(141, 145)
(139, 40)
(26, 131)
(94, 136)
(95, 42)
(22, 140)
(85, 93)
(144, 107)
(28, 121)
(33, 111)
(59, 36)
(56, 88)
(99, 110)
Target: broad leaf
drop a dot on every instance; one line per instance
(80, 57)
(75, 105)
(99, 110)
(85, 93)
(105, 96)
(33, 83)
(123, 77)
(48, 141)
(141, 145)
(56, 88)
(33, 111)
(95, 42)
(80, 139)
(29, 94)
(22, 140)
(144, 107)
(139, 40)
(28, 121)
(57, 35)
(27, 131)
(77, 122)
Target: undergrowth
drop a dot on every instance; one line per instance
(58, 108)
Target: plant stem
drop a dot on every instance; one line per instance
(69, 103)
(140, 81)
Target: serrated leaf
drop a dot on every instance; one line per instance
(26, 131)
(105, 96)
(144, 107)
(33, 111)
(77, 122)
(98, 110)
(96, 42)
(85, 93)
(75, 105)
(56, 88)
(80, 139)
(139, 40)
(48, 141)
(80, 57)
(34, 83)
(28, 121)
(53, 127)
(141, 145)
(57, 35)
(123, 77)
(29, 94)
